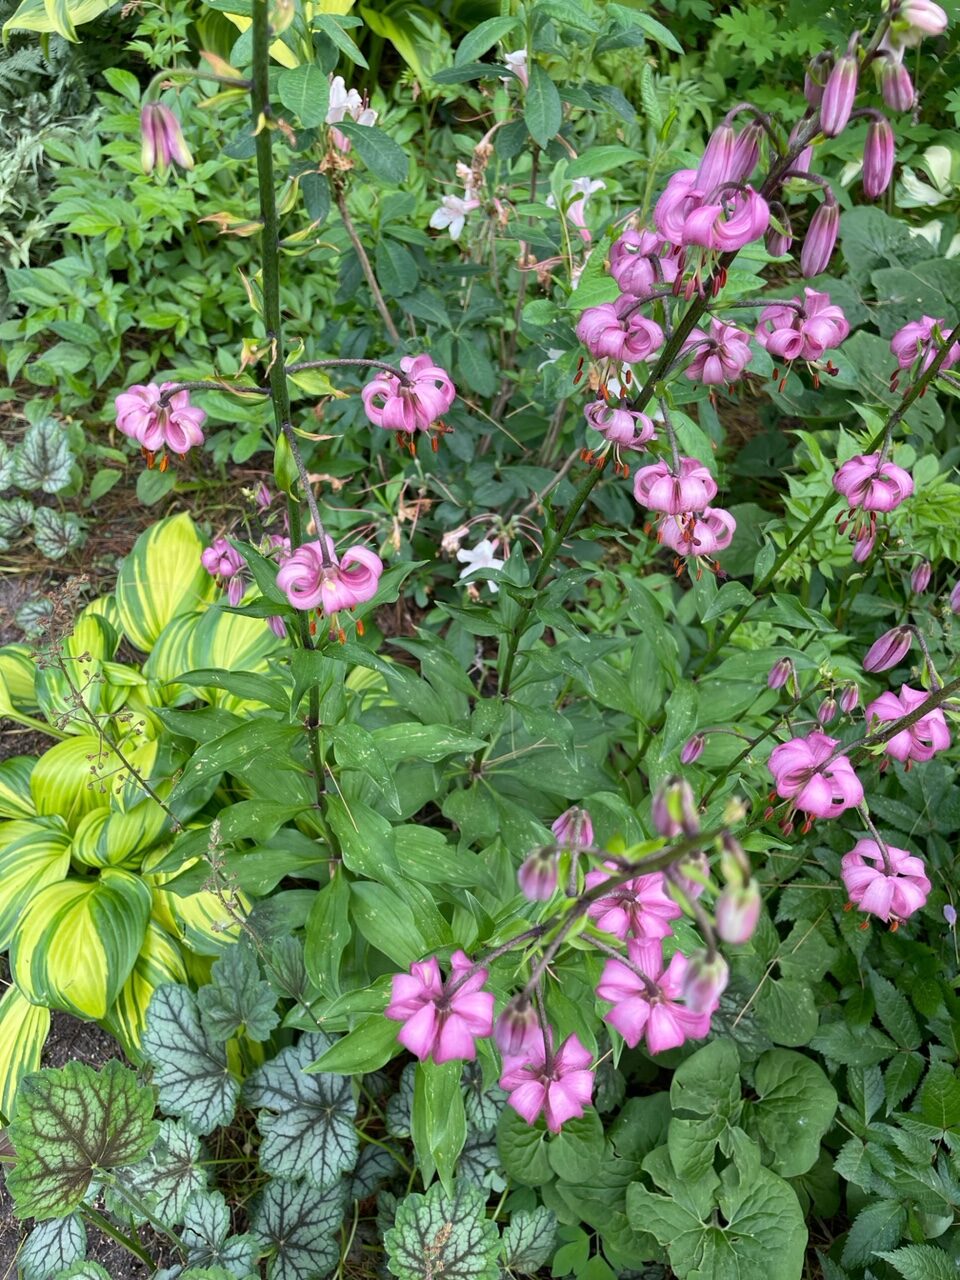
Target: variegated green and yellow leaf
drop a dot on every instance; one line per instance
(112, 838)
(77, 942)
(200, 920)
(170, 657)
(159, 962)
(230, 642)
(34, 853)
(91, 643)
(18, 671)
(23, 1033)
(106, 607)
(16, 799)
(82, 774)
(161, 578)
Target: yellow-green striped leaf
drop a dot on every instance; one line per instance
(76, 943)
(92, 642)
(231, 642)
(170, 657)
(111, 838)
(82, 774)
(33, 854)
(17, 678)
(159, 962)
(23, 1033)
(199, 920)
(106, 607)
(16, 799)
(161, 578)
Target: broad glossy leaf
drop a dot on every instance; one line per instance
(306, 1120)
(108, 838)
(23, 1033)
(438, 1121)
(298, 1224)
(33, 853)
(16, 800)
(795, 1109)
(189, 1067)
(483, 37)
(523, 1149)
(76, 942)
(72, 1123)
(305, 90)
(328, 933)
(384, 158)
(368, 1047)
(443, 1234)
(51, 1247)
(161, 578)
(237, 999)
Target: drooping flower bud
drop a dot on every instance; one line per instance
(863, 548)
(162, 140)
(704, 982)
(827, 710)
(737, 913)
(950, 915)
(920, 578)
(573, 829)
(537, 876)
(780, 673)
(692, 749)
(891, 648)
(815, 77)
(674, 809)
(779, 235)
(517, 1028)
(821, 239)
(850, 698)
(923, 18)
(838, 96)
(878, 157)
(746, 153)
(896, 85)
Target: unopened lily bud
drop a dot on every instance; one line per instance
(815, 77)
(704, 982)
(780, 673)
(779, 238)
(827, 710)
(920, 578)
(896, 85)
(692, 749)
(955, 599)
(715, 166)
(674, 810)
(863, 549)
(892, 647)
(850, 698)
(573, 829)
(737, 913)
(746, 153)
(821, 239)
(162, 141)
(537, 876)
(690, 875)
(950, 915)
(517, 1027)
(838, 96)
(878, 158)
(923, 17)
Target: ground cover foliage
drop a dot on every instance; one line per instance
(503, 803)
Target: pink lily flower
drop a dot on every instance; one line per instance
(176, 424)
(819, 785)
(162, 140)
(802, 329)
(559, 1085)
(920, 741)
(441, 1020)
(418, 403)
(638, 266)
(891, 887)
(720, 357)
(698, 533)
(646, 998)
(869, 482)
(659, 489)
(225, 563)
(916, 340)
(309, 583)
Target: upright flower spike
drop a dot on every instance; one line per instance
(838, 95)
(921, 740)
(659, 489)
(143, 416)
(162, 141)
(558, 1085)
(820, 784)
(719, 357)
(414, 404)
(884, 881)
(442, 1020)
(641, 906)
(310, 583)
(647, 998)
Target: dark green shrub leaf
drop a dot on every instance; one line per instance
(796, 1107)
(305, 90)
(921, 1262)
(440, 1234)
(189, 1067)
(384, 158)
(875, 1228)
(542, 111)
(73, 1124)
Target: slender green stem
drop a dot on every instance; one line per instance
(31, 722)
(368, 272)
(103, 1223)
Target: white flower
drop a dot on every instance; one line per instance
(517, 63)
(453, 214)
(347, 102)
(480, 557)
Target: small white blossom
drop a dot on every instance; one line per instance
(482, 556)
(453, 214)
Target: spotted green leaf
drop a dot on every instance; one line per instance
(73, 1124)
(165, 1178)
(528, 1240)
(207, 1239)
(43, 459)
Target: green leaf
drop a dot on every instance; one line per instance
(523, 1149)
(43, 460)
(796, 1107)
(939, 1097)
(206, 1236)
(441, 1234)
(577, 1150)
(528, 1240)
(51, 1247)
(72, 1124)
(431, 742)
(56, 533)
(305, 90)
(85, 1271)
(483, 37)
(189, 1067)
(875, 1228)
(893, 1010)
(237, 1000)
(368, 1047)
(396, 268)
(298, 1225)
(161, 578)
(438, 1121)
(649, 25)
(387, 923)
(853, 1046)
(542, 112)
(307, 1120)
(327, 934)
(705, 1097)
(332, 29)
(921, 1262)
(61, 17)
(168, 1176)
(601, 160)
(385, 158)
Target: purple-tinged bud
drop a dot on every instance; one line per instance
(950, 915)
(850, 698)
(573, 829)
(779, 235)
(537, 876)
(815, 77)
(674, 810)
(716, 165)
(517, 1028)
(891, 648)
(162, 141)
(780, 673)
(920, 578)
(924, 17)
(692, 749)
(737, 913)
(691, 874)
(803, 160)
(827, 710)
(955, 599)
(746, 153)
(812, 91)
(821, 239)
(704, 982)
(863, 549)
(277, 626)
(878, 157)
(838, 96)
(896, 85)
(263, 497)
